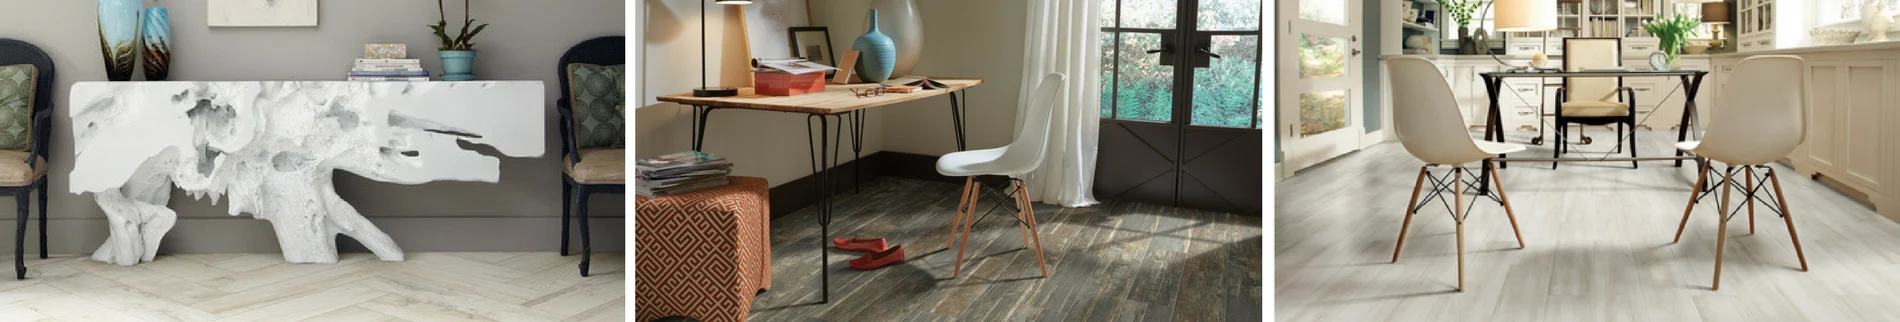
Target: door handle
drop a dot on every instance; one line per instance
(1217, 56)
(1164, 48)
(1355, 52)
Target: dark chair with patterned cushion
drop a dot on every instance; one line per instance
(589, 167)
(22, 171)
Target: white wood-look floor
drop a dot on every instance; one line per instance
(1598, 248)
(536, 286)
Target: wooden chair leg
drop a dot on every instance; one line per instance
(956, 221)
(1748, 184)
(1029, 225)
(1508, 213)
(42, 219)
(1458, 214)
(1721, 231)
(19, 237)
(567, 205)
(1417, 183)
(1022, 207)
(969, 222)
(587, 244)
(1702, 177)
(1787, 217)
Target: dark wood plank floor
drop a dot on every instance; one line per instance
(1118, 261)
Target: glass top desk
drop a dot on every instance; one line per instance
(1691, 82)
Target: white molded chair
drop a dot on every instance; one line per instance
(1014, 160)
(1430, 127)
(1762, 119)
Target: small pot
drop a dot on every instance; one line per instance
(458, 65)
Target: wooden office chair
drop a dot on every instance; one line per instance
(1015, 160)
(586, 170)
(22, 172)
(1594, 100)
(1431, 129)
(1762, 119)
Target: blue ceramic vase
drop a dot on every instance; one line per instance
(118, 36)
(877, 55)
(158, 44)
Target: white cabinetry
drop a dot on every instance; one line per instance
(1766, 24)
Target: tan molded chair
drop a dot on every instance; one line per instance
(1430, 127)
(1762, 119)
(1594, 100)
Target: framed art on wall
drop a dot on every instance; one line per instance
(261, 13)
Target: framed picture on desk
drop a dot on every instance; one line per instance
(813, 44)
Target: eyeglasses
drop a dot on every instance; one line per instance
(868, 92)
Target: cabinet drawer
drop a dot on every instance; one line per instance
(1638, 49)
(1648, 93)
(1522, 49)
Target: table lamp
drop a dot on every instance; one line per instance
(1716, 14)
(703, 90)
(1527, 15)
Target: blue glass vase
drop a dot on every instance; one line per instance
(158, 44)
(877, 55)
(118, 36)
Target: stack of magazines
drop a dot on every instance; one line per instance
(680, 173)
(402, 70)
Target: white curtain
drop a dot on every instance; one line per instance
(1064, 36)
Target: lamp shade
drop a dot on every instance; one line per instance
(1715, 12)
(1525, 15)
(733, 2)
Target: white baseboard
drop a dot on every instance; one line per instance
(1279, 172)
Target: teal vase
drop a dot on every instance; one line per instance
(877, 55)
(158, 44)
(118, 36)
(458, 65)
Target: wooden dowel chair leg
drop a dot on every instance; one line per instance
(1787, 217)
(1022, 207)
(1458, 212)
(1748, 184)
(967, 222)
(1702, 177)
(1417, 183)
(1029, 225)
(956, 221)
(1506, 201)
(1721, 230)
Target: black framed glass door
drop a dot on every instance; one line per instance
(1181, 121)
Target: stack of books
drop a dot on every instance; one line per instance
(401, 70)
(680, 173)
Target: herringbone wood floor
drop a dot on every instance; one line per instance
(539, 286)
(1117, 261)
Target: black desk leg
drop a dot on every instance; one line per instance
(857, 150)
(1492, 130)
(700, 114)
(823, 157)
(956, 116)
(1691, 84)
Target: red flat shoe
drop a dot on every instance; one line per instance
(875, 260)
(860, 244)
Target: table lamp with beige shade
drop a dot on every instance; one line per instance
(1716, 14)
(1527, 15)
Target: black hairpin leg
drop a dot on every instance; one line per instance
(700, 114)
(956, 116)
(857, 147)
(823, 157)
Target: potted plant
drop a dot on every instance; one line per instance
(1460, 11)
(458, 52)
(1672, 33)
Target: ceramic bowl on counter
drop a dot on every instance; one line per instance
(1831, 37)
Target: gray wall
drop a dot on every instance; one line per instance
(524, 42)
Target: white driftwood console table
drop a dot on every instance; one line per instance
(272, 148)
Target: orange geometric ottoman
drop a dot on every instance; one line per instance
(703, 254)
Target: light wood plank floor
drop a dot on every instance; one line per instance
(1598, 248)
(538, 286)
(1115, 261)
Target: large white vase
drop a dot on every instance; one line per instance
(901, 21)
